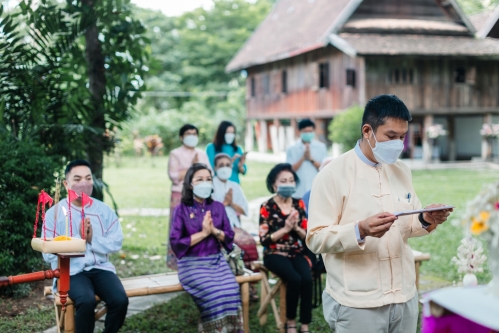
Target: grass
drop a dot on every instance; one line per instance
(177, 316)
(144, 183)
(34, 320)
(453, 187)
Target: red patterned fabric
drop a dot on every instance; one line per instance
(246, 242)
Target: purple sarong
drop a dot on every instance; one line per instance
(216, 293)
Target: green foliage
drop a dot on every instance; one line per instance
(39, 100)
(44, 76)
(25, 171)
(197, 111)
(189, 54)
(345, 128)
(477, 6)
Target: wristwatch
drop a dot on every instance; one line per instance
(422, 221)
(218, 232)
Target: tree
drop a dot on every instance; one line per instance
(116, 61)
(345, 128)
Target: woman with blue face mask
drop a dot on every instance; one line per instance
(282, 230)
(179, 161)
(199, 227)
(225, 142)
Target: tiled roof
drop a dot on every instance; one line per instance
(292, 27)
(373, 44)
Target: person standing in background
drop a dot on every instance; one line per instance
(180, 160)
(306, 156)
(225, 142)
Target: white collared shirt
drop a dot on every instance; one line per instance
(307, 170)
(220, 190)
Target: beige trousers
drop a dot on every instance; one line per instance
(391, 318)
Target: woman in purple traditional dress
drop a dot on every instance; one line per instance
(179, 161)
(199, 228)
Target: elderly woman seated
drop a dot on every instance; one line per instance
(199, 227)
(282, 229)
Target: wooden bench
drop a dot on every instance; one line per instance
(148, 285)
(268, 293)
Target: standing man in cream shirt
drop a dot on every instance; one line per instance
(370, 267)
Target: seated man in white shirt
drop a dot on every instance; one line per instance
(306, 156)
(93, 274)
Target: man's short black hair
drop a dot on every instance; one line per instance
(381, 107)
(275, 171)
(186, 128)
(74, 164)
(306, 123)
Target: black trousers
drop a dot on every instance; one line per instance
(105, 284)
(296, 272)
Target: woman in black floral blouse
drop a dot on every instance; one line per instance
(282, 229)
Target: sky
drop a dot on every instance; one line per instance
(173, 7)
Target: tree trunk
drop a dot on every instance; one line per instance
(97, 86)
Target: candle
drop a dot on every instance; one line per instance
(65, 212)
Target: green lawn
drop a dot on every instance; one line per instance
(144, 183)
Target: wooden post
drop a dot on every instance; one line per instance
(452, 146)
(69, 318)
(245, 290)
(426, 146)
(485, 143)
(262, 139)
(249, 135)
(263, 294)
(283, 307)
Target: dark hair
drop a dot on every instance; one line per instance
(381, 107)
(186, 128)
(306, 123)
(187, 192)
(219, 136)
(74, 164)
(275, 171)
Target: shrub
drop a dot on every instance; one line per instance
(199, 112)
(25, 171)
(345, 128)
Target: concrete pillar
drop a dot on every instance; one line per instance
(262, 139)
(452, 145)
(426, 145)
(273, 131)
(249, 135)
(485, 143)
(293, 125)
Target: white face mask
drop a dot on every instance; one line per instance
(224, 173)
(387, 152)
(229, 138)
(190, 140)
(202, 190)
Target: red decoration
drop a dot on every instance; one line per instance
(85, 200)
(43, 199)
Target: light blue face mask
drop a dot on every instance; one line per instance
(307, 136)
(203, 190)
(387, 152)
(286, 191)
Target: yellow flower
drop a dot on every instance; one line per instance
(477, 227)
(484, 216)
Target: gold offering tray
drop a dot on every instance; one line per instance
(51, 246)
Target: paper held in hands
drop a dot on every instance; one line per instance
(423, 210)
